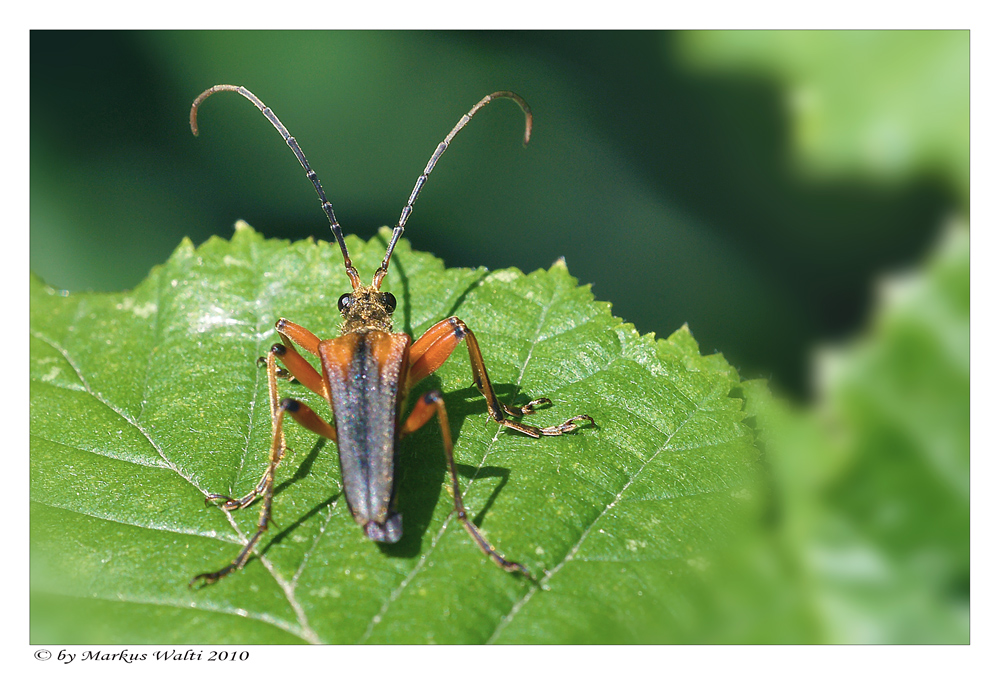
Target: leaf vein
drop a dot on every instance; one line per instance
(121, 413)
(141, 526)
(263, 617)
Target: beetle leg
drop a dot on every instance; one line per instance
(292, 332)
(299, 368)
(435, 346)
(302, 371)
(429, 404)
(297, 334)
(302, 414)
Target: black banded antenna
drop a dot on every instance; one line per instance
(293, 144)
(442, 146)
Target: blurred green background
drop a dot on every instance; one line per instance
(765, 188)
(750, 184)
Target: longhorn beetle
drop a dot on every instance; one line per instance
(365, 376)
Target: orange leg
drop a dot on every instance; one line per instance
(436, 345)
(297, 367)
(302, 414)
(429, 404)
(299, 335)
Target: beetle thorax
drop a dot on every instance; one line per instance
(365, 309)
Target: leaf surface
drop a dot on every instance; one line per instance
(144, 402)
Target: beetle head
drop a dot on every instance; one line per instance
(366, 308)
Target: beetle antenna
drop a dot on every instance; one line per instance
(293, 144)
(442, 146)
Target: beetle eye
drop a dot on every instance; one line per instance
(344, 302)
(389, 300)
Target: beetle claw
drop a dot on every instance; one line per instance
(572, 424)
(228, 504)
(529, 408)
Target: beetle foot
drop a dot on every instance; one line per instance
(228, 503)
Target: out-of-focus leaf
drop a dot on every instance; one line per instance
(144, 402)
(889, 104)
(873, 484)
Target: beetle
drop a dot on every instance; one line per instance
(365, 375)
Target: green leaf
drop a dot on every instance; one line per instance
(144, 402)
